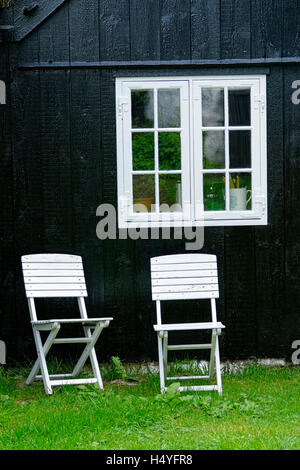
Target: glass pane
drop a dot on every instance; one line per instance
(214, 191)
(240, 191)
(239, 107)
(212, 107)
(240, 149)
(143, 192)
(169, 150)
(170, 192)
(169, 108)
(142, 108)
(143, 151)
(213, 149)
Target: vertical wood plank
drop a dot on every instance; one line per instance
(235, 29)
(175, 30)
(144, 30)
(205, 29)
(84, 30)
(114, 30)
(291, 28)
(54, 37)
(266, 28)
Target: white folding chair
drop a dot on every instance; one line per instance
(182, 277)
(59, 275)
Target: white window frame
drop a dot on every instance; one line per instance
(191, 145)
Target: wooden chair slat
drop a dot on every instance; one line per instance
(183, 274)
(185, 295)
(56, 293)
(185, 258)
(51, 258)
(50, 266)
(183, 267)
(186, 288)
(183, 281)
(53, 272)
(47, 286)
(54, 280)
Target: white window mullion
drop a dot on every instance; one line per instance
(185, 150)
(198, 149)
(227, 156)
(156, 156)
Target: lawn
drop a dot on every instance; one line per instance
(259, 409)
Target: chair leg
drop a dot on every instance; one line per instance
(42, 361)
(218, 367)
(161, 363)
(212, 353)
(46, 349)
(94, 361)
(165, 353)
(214, 362)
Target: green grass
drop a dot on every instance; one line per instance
(259, 409)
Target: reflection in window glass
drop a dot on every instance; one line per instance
(170, 191)
(213, 149)
(143, 192)
(169, 149)
(168, 108)
(240, 149)
(212, 107)
(240, 191)
(214, 191)
(142, 108)
(143, 151)
(239, 107)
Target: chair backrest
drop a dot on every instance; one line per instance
(53, 275)
(187, 276)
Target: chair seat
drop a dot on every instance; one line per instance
(72, 320)
(188, 326)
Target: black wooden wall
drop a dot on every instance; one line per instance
(58, 163)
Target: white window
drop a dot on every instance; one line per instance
(190, 149)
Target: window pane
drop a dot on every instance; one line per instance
(169, 108)
(214, 191)
(143, 151)
(143, 192)
(142, 108)
(170, 192)
(212, 107)
(240, 149)
(239, 107)
(213, 149)
(240, 191)
(169, 149)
